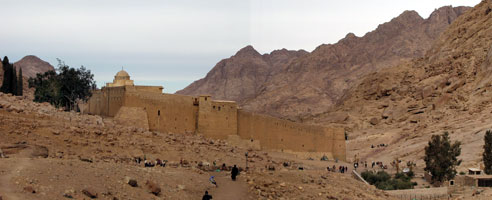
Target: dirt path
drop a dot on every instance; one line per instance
(7, 189)
(229, 189)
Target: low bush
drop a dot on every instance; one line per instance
(384, 181)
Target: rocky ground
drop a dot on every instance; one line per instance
(51, 154)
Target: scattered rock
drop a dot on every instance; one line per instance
(40, 151)
(90, 193)
(153, 188)
(374, 121)
(181, 187)
(133, 183)
(69, 193)
(29, 189)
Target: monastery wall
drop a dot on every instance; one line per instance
(165, 112)
(106, 101)
(147, 107)
(278, 134)
(217, 119)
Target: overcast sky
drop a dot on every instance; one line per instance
(173, 43)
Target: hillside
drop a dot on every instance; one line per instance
(242, 76)
(32, 65)
(448, 89)
(313, 82)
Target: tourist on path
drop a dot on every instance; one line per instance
(234, 172)
(206, 196)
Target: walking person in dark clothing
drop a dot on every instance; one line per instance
(206, 196)
(234, 172)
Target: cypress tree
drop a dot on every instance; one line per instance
(20, 84)
(487, 152)
(6, 76)
(13, 82)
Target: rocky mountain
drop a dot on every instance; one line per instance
(32, 65)
(447, 89)
(310, 83)
(242, 76)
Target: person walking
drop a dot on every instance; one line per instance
(234, 173)
(206, 196)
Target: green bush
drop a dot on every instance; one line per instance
(384, 181)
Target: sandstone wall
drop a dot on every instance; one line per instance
(106, 101)
(156, 89)
(132, 116)
(217, 119)
(278, 134)
(165, 112)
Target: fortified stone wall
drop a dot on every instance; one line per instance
(278, 134)
(107, 101)
(217, 119)
(165, 112)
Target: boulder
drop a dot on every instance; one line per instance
(133, 183)
(153, 188)
(40, 151)
(89, 192)
(69, 193)
(374, 121)
(29, 189)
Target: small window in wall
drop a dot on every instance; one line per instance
(302, 145)
(451, 182)
(281, 140)
(158, 112)
(214, 107)
(219, 108)
(205, 98)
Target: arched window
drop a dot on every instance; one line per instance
(158, 112)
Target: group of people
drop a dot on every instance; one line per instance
(379, 145)
(341, 169)
(379, 164)
(149, 163)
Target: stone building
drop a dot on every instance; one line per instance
(147, 107)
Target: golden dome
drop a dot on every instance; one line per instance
(122, 73)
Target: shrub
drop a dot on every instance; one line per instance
(384, 181)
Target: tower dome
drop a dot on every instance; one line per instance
(122, 75)
(122, 78)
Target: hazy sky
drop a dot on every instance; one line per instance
(173, 43)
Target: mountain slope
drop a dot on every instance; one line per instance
(448, 89)
(303, 83)
(243, 75)
(32, 65)
(313, 83)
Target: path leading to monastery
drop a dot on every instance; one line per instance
(229, 189)
(13, 169)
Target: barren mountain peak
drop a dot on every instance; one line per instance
(32, 65)
(248, 51)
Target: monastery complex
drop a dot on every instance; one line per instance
(147, 107)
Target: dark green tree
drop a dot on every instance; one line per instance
(64, 88)
(20, 84)
(13, 83)
(441, 157)
(7, 76)
(487, 152)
